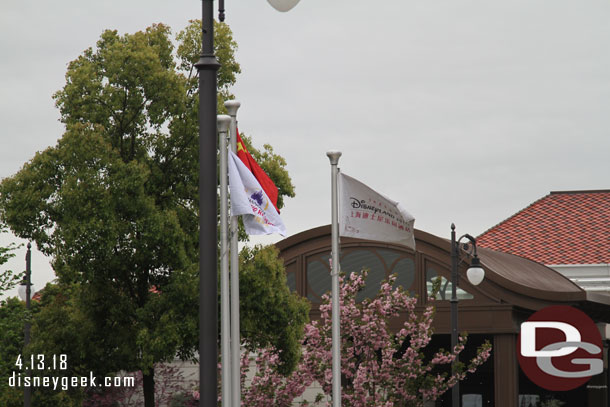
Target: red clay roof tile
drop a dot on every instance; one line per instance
(566, 227)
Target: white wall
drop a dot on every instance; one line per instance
(591, 277)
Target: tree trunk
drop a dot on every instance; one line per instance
(148, 385)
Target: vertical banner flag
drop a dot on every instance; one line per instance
(261, 176)
(248, 198)
(366, 214)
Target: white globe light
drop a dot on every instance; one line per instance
(475, 275)
(283, 5)
(21, 291)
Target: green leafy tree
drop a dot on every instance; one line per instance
(12, 318)
(115, 206)
(60, 328)
(8, 278)
(263, 287)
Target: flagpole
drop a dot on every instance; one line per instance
(225, 328)
(232, 107)
(334, 156)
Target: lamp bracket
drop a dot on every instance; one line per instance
(468, 248)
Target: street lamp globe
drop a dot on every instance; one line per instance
(283, 5)
(475, 272)
(22, 289)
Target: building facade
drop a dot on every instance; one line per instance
(513, 289)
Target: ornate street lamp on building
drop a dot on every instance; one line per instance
(207, 67)
(25, 293)
(475, 275)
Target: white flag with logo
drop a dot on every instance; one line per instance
(250, 200)
(366, 214)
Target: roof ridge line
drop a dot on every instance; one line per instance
(584, 191)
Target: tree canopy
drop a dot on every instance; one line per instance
(12, 318)
(115, 206)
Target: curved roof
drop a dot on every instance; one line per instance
(511, 273)
(526, 276)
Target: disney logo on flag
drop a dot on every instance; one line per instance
(356, 204)
(367, 214)
(361, 204)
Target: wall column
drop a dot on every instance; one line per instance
(506, 370)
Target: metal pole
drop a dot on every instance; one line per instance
(334, 156)
(223, 122)
(27, 390)
(208, 280)
(221, 11)
(455, 391)
(232, 107)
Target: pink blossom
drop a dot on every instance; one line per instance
(374, 372)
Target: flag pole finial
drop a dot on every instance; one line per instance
(333, 156)
(232, 107)
(223, 122)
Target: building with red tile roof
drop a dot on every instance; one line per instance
(566, 230)
(514, 288)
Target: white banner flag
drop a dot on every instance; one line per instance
(250, 200)
(366, 214)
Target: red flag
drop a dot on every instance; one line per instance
(260, 175)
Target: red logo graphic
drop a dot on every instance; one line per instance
(560, 348)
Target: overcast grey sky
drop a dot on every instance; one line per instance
(464, 111)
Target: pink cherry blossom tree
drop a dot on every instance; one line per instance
(380, 367)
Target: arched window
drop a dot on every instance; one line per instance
(380, 262)
(445, 290)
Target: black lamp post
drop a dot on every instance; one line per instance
(475, 275)
(207, 66)
(208, 300)
(25, 292)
